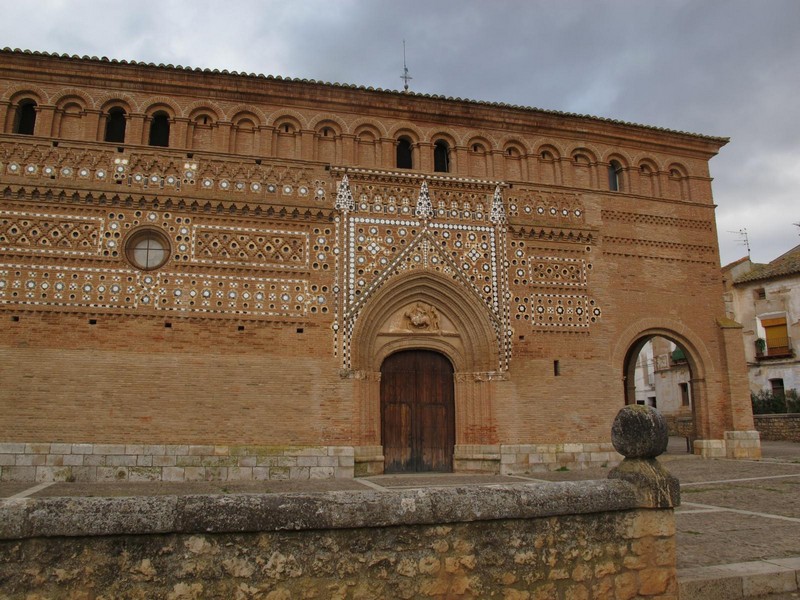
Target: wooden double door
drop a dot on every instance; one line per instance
(417, 412)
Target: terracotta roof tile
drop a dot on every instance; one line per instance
(786, 264)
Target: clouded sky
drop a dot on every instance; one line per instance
(719, 67)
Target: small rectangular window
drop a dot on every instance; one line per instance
(777, 388)
(685, 400)
(777, 336)
(761, 294)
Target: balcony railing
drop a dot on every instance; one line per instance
(777, 348)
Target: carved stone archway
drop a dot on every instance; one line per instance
(427, 311)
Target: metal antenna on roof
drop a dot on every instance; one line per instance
(743, 239)
(405, 76)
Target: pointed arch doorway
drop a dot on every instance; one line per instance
(417, 412)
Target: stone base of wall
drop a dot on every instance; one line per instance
(368, 460)
(538, 458)
(710, 448)
(743, 444)
(735, 444)
(779, 427)
(140, 462)
(473, 458)
(137, 462)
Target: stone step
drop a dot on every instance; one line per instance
(740, 580)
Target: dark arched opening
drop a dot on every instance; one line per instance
(115, 126)
(441, 157)
(404, 154)
(615, 176)
(658, 373)
(25, 119)
(159, 130)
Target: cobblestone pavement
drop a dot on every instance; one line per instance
(732, 511)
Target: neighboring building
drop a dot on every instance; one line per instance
(765, 299)
(663, 378)
(219, 275)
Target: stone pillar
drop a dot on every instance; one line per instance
(91, 131)
(134, 132)
(532, 164)
(306, 141)
(388, 156)
(496, 166)
(473, 399)
(5, 113)
(459, 163)
(477, 448)
(640, 434)
(223, 142)
(562, 176)
(44, 120)
(178, 132)
(423, 159)
(265, 133)
(369, 459)
(348, 149)
(743, 441)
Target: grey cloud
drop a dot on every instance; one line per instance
(719, 67)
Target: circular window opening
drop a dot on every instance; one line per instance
(147, 249)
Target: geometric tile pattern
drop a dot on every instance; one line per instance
(101, 288)
(64, 235)
(237, 245)
(551, 271)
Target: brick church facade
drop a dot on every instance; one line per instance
(213, 275)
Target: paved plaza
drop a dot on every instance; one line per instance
(738, 524)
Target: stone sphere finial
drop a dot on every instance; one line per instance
(639, 432)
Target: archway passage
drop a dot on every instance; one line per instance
(659, 372)
(417, 412)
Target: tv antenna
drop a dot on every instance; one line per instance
(405, 76)
(743, 239)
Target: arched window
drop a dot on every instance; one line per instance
(287, 140)
(441, 157)
(477, 160)
(201, 129)
(404, 154)
(25, 119)
(615, 176)
(115, 125)
(159, 130)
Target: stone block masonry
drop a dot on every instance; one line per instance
(172, 462)
(183, 462)
(779, 427)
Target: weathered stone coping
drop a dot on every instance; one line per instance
(99, 516)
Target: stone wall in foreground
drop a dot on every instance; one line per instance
(565, 540)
